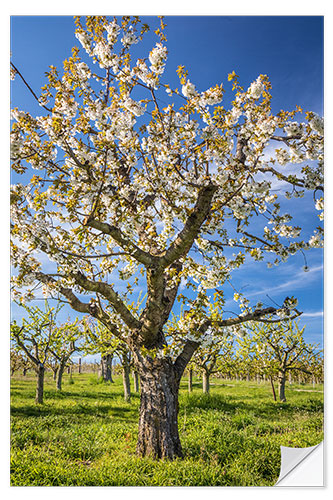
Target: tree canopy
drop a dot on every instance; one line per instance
(154, 194)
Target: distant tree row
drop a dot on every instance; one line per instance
(270, 352)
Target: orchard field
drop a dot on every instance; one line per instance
(86, 434)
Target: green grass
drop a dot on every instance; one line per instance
(86, 435)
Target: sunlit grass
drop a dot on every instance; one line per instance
(86, 435)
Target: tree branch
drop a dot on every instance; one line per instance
(183, 242)
(184, 357)
(130, 247)
(30, 89)
(76, 304)
(107, 291)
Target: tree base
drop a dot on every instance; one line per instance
(158, 423)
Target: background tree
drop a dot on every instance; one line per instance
(126, 360)
(65, 341)
(226, 362)
(15, 361)
(35, 337)
(316, 368)
(214, 356)
(279, 349)
(154, 196)
(99, 340)
(53, 364)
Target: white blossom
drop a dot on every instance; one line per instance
(256, 88)
(129, 38)
(157, 58)
(188, 90)
(316, 240)
(282, 156)
(113, 30)
(317, 124)
(134, 107)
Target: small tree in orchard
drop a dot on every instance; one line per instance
(35, 337)
(247, 361)
(227, 363)
(15, 361)
(316, 368)
(65, 341)
(126, 361)
(213, 356)
(98, 339)
(127, 189)
(53, 364)
(280, 349)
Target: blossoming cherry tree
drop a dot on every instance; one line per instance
(122, 189)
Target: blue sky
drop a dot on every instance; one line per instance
(289, 49)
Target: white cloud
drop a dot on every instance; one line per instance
(297, 282)
(313, 314)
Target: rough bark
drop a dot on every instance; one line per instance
(205, 382)
(282, 386)
(158, 435)
(40, 383)
(158, 423)
(106, 367)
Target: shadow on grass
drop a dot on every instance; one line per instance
(232, 405)
(124, 413)
(64, 394)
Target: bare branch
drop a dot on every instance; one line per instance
(30, 89)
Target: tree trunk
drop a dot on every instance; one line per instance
(106, 367)
(205, 382)
(190, 380)
(282, 386)
(55, 371)
(60, 374)
(273, 389)
(40, 383)
(79, 365)
(158, 423)
(126, 382)
(136, 381)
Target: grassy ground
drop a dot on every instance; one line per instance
(86, 435)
